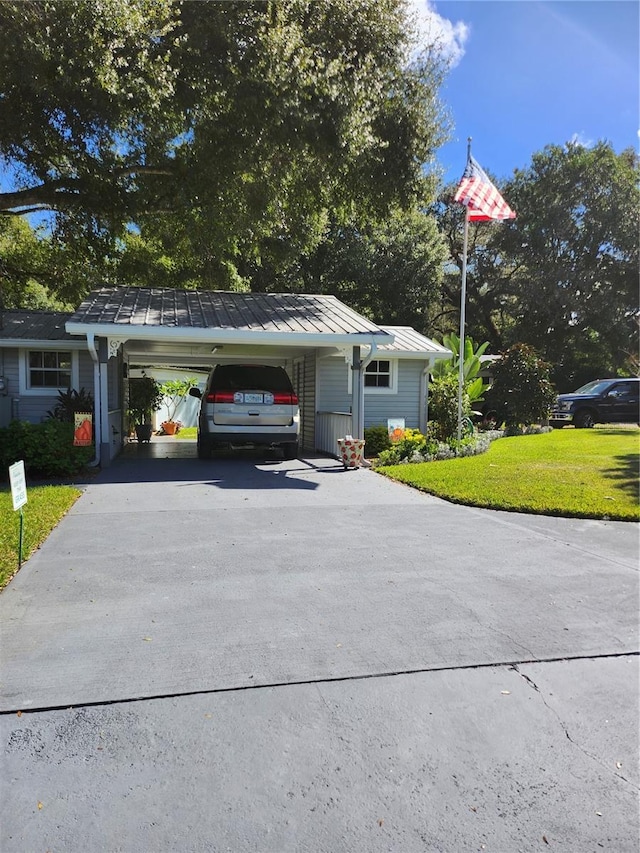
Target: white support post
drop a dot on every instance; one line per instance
(356, 394)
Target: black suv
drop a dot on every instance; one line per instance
(605, 401)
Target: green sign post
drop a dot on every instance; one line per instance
(19, 496)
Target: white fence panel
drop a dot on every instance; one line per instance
(330, 426)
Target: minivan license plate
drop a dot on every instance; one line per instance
(253, 398)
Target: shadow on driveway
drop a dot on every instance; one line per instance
(175, 461)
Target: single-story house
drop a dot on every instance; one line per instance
(348, 372)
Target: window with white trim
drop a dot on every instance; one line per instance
(49, 369)
(377, 374)
(380, 377)
(45, 372)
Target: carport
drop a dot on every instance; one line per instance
(133, 327)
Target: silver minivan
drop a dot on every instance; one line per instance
(248, 405)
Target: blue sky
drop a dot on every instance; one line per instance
(527, 73)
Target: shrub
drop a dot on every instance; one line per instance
(69, 402)
(522, 392)
(443, 406)
(144, 397)
(47, 449)
(405, 449)
(376, 439)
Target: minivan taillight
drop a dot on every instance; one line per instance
(285, 399)
(220, 397)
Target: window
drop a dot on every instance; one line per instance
(378, 375)
(624, 389)
(49, 370)
(45, 372)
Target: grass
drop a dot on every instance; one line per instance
(45, 507)
(575, 473)
(188, 432)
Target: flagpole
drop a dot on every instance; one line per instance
(463, 300)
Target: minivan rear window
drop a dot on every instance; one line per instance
(237, 377)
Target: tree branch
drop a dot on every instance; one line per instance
(143, 170)
(63, 193)
(37, 209)
(44, 197)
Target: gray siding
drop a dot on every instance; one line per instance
(34, 408)
(333, 395)
(303, 376)
(333, 388)
(309, 423)
(405, 404)
(9, 369)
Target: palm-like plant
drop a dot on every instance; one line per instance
(474, 385)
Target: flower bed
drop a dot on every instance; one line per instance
(415, 447)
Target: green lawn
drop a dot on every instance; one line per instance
(580, 473)
(188, 432)
(45, 507)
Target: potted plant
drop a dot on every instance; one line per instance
(145, 397)
(173, 392)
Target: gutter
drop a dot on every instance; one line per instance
(359, 427)
(367, 361)
(423, 416)
(91, 346)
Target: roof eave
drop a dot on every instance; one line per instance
(432, 355)
(41, 343)
(227, 336)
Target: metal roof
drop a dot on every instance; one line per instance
(34, 325)
(407, 340)
(134, 306)
(128, 308)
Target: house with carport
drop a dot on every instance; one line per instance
(348, 372)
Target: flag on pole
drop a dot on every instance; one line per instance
(482, 199)
(483, 202)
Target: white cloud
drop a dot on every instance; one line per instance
(582, 140)
(435, 31)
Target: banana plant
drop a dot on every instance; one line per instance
(474, 384)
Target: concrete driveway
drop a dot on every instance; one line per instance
(249, 654)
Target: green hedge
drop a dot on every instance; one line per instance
(47, 449)
(376, 439)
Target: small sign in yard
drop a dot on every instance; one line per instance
(19, 495)
(18, 484)
(395, 428)
(83, 429)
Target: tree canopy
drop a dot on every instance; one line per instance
(387, 269)
(242, 127)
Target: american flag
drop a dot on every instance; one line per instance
(480, 196)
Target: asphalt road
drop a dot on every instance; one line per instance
(257, 655)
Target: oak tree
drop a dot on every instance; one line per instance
(240, 127)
